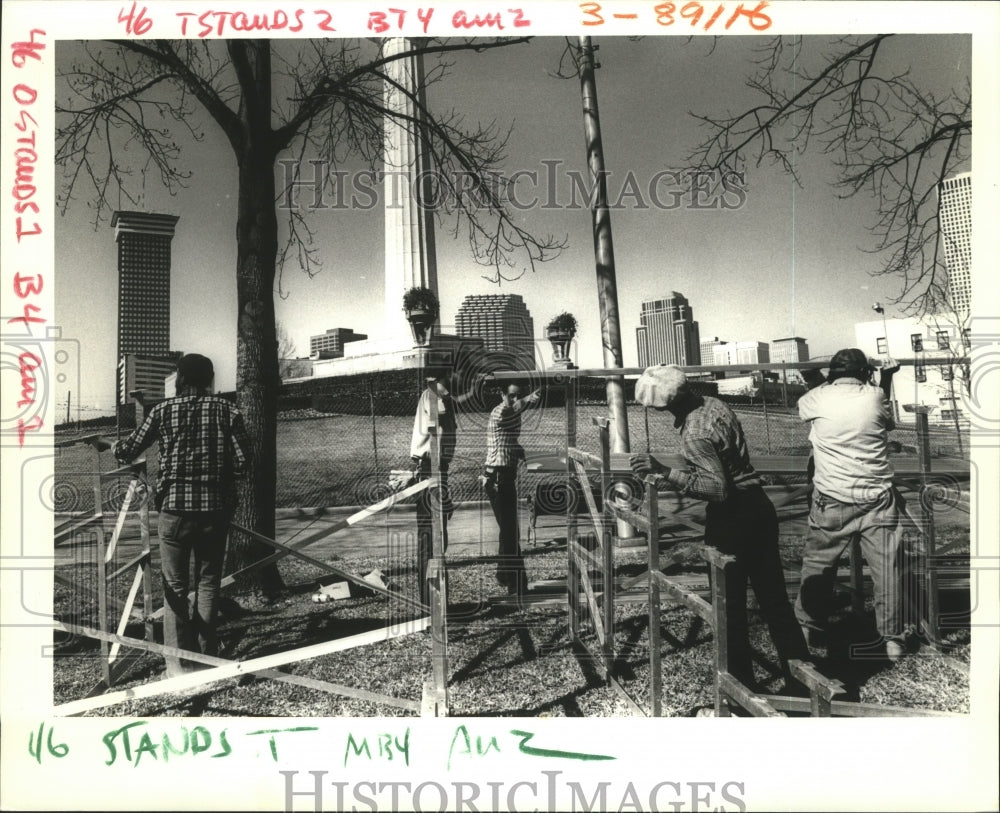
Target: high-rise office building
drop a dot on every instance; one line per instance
(143, 282)
(330, 345)
(667, 333)
(742, 353)
(144, 357)
(955, 217)
(707, 348)
(145, 374)
(789, 350)
(504, 324)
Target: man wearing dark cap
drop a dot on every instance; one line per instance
(203, 447)
(740, 520)
(853, 492)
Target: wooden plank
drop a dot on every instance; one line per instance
(102, 606)
(340, 525)
(437, 582)
(692, 601)
(123, 622)
(120, 522)
(140, 648)
(596, 517)
(413, 603)
(375, 508)
(906, 467)
(433, 702)
(196, 680)
(903, 465)
(69, 530)
(753, 703)
(847, 708)
(293, 546)
(592, 606)
(653, 588)
(580, 552)
(773, 366)
(129, 564)
(632, 517)
(135, 468)
(821, 688)
(584, 458)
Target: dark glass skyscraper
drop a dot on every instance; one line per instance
(143, 282)
(144, 356)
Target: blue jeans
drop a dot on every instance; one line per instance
(198, 539)
(832, 526)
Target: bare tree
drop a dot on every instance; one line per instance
(286, 350)
(318, 99)
(885, 135)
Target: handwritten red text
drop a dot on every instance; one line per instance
(693, 13)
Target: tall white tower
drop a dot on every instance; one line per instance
(408, 189)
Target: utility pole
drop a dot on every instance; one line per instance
(604, 252)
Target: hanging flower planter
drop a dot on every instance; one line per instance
(422, 310)
(560, 331)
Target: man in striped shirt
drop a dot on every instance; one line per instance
(740, 519)
(203, 447)
(503, 454)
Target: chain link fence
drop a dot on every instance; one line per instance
(338, 439)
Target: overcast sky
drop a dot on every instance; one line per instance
(789, 261)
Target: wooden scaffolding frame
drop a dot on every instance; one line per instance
(591, 585)
(435, 691)
(591, 559)
(113, 663)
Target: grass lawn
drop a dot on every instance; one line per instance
(504, 660)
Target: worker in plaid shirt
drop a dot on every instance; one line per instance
(740, 519)
(503, 454)
(203, 447)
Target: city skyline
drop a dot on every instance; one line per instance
(490, 317)
(765, 268)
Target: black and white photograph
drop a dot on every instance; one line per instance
(442, 402)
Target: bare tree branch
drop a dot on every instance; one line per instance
(142, 98)
(886, 136)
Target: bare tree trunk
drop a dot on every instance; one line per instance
(257, 378)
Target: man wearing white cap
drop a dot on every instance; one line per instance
(740, 520)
